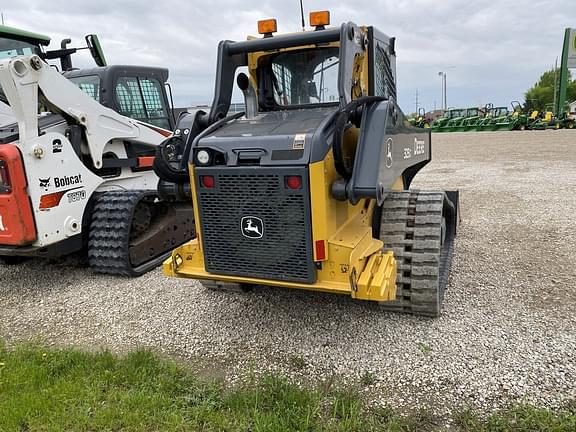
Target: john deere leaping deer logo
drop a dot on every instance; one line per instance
(389, 160)
(252, 227)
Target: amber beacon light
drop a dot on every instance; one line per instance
(267, 27)
(320, 18)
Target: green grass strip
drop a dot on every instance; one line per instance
(67, 389)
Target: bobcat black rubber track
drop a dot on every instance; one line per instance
(110, 234)
(420, 227)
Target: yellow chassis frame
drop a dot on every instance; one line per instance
(354, 262)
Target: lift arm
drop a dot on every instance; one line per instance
(22, 78)
(6, 115)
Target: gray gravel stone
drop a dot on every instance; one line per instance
(507, 334)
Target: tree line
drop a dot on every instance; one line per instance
(541, 94)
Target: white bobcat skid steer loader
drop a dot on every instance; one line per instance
(80, 176)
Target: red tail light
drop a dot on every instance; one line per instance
(320, 250)
(5, 185)
(294, 182)
(207, 181)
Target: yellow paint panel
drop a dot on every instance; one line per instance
(377, 284)
(320, 204)
(195, 204)
(378, 281)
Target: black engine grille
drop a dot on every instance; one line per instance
(284, 251)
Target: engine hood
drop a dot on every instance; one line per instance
(291, 137)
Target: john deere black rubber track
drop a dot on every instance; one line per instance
(420, 228)
(112, 244)
(229, 287)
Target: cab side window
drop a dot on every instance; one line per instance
(142, 99)
(89, 84)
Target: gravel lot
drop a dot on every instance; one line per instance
(507, 334)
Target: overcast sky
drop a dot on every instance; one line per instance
(491, 51)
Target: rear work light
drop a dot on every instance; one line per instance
(5, 185)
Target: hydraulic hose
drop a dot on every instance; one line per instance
(348, 115)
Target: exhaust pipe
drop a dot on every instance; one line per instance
(249, 95)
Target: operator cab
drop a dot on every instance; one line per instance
(15, 42)
(12, 48)
(137, 92)
(500, 112)
(295, 79)
(326, 68)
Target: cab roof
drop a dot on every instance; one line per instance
(23, 35)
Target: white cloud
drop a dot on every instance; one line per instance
(491, 51)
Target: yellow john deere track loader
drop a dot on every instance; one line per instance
(309, 187)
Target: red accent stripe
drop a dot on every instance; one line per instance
(51, 200)
(145, 161)
(161, 131)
